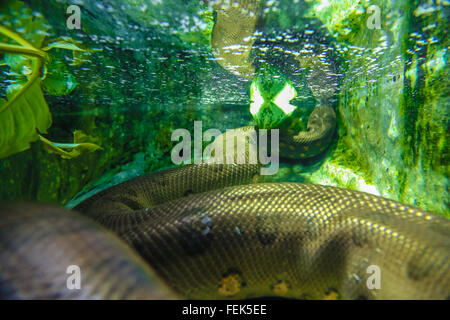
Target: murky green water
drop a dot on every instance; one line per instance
(136, 70)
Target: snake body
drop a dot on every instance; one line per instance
(39, 243)
(274, 239)
(209, 231)
(224, 240)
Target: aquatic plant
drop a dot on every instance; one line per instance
(24, 114)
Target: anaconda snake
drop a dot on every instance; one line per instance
(206, 236)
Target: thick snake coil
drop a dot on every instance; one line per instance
(210, 231)
(278, 239)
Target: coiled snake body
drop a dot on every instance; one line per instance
(209, 231)
(264, 239)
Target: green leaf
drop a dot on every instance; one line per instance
(63, 44)
(76, 149)
(81, 54)
(26, 112)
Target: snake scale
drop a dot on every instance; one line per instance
(210, 231)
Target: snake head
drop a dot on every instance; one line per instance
(270, 94)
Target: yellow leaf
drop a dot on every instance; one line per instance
(76, 149)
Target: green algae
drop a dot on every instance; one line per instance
(396, 116)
